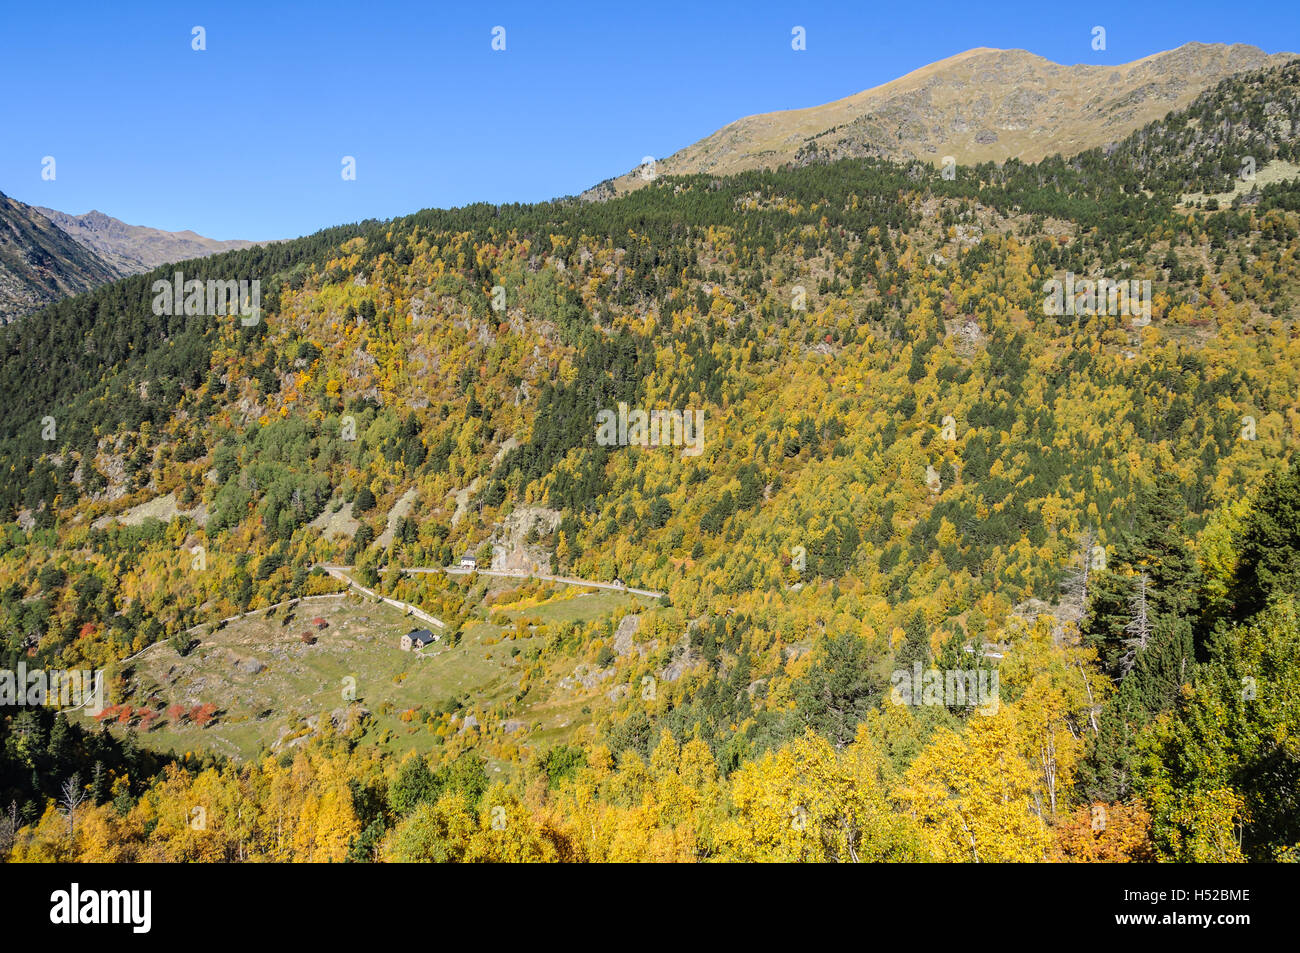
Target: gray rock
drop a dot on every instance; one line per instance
(623, 635)
(683, 659)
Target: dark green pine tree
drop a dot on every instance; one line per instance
(1155, 545)
(1107, 772)
(916, 643)
(1108, 613)
(60, 747)
(839, 690)
(1165, 665)
(1151, 675)
(1152, 686)
(1269, 554)
(364, 500)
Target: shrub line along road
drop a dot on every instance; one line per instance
(455, 571)
(341, 573)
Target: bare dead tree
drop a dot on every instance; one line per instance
(71, 798)
(1077, 578)
(1093, 707)
(1139, 626)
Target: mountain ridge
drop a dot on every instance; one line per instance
(46, 255)
(1034, 108)
(136, 248)
(40, 263)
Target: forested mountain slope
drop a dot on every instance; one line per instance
(907, 459)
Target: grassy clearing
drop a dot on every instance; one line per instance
(270, 688)
(1279, 170)
(571, 604)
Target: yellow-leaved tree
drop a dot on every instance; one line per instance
(972, 794)
(807, 802)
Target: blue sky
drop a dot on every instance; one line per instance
(246, 139)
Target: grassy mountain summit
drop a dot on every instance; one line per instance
(983, 105)
(909, 464)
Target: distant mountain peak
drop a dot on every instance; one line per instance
(40, 263)
(46, 255)
(132, 249)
